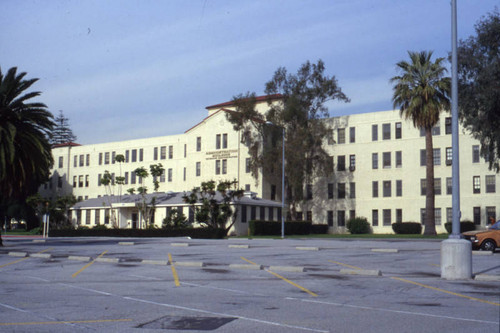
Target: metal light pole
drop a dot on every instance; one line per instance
(282, 179)
(456, 253)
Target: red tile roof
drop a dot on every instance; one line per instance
(67, 144)
(258, 99)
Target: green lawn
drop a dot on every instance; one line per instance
(349, 236)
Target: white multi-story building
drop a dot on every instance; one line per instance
(379, 169)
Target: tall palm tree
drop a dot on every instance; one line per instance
(421, 92)
(25, 152)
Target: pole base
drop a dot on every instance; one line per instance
(456, 259)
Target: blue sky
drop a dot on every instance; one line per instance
(122, 69)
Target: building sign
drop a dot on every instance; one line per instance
(222, 154)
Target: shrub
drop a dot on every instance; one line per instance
(99, 227)
(319, 229)
(358, 225)
(273, 228)
(407, 228)
(464, 226)
(209, 233)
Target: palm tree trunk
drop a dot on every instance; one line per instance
(430, 225)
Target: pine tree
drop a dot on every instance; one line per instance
(61, 133)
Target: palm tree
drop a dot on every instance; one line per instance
(25, 152)
(421, 92)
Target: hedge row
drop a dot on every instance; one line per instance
(464, 226)
(273, 228)
(209, 233)
(407, 228)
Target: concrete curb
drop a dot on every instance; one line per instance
(234, 246)
(246, 266)
(482, 253)
(386, 250)
(179, 244)
(38, 240)
(18, 254)
(189, 263)
(112, 260)
(485, 277)
(287, 268)
(126, 243)
(155, 262)
(41, 255)
(307, 248)
(79, 258)
(368, 272)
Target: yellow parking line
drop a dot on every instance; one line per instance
(445, 291)
(341, 264)
(65, 322)
(86, 266)
(19, 260)
(284, 279)
(174, 271)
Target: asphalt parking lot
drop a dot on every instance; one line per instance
(241, 285)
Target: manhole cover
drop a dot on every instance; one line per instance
(187, 323)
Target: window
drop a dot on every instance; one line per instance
(386, 215)
(141, 155)
(163, 152)
(273, 192)
(374, 160)
(329, 218)
(224, 167)
(341, 163)
(169, 175)
(476, 182)
(375, 189)
(386, 185)
(399, 215)
(449, 185)
(490, 213)
(132, 178)
(436, 130)
(87, 216)
(191, 214)
(198, 169)
(423, 157)
(449, 156)
(270, 212)
(184, 174)
(217, 141)
(80, 181)
(352, 214)
(449, 214)
(86, 181)
(437, 216)
(436, 156)
(341, 218)
(375, 217)
(352, 134)
(198, 143)
(352, 162)
(447, 125)
(134, 155)
(475, 154)
(162, 177)
(170, 152)
(398, 130)
(75, 161)
(352, 190)
(309, 216)
(224, 141)
(399, 159)
(185, 150)
(309, 192)
(87, 162)
(386, 131)
(247, 165)
(341, 190)
(99, 177)
(60, 182)
(330, 190)
(253, 212)
(477, 215)
(386, 159)
(106, 158)
(341, 135)
(106, 216)
(437, 186)
(374, 132)
(81, 160)
(113, 157)
(423, 186)
(490, 184)
(125, 181)
(127, 153)
(262, 213)
(247, 187)
(399, 188)
(155, 153)
(97, 216)
(217, 167)
(60, 161)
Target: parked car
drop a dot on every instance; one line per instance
(487, 240)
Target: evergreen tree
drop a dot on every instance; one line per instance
(61, 133)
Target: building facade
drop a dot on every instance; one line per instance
(379, 169)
